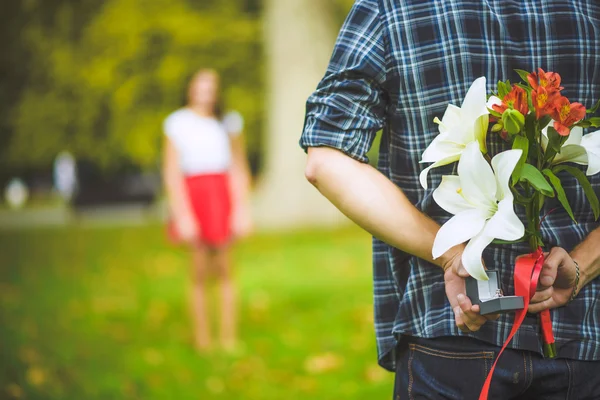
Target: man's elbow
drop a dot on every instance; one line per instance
(315, 164)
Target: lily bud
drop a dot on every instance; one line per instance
(497, 127)
(513, 121)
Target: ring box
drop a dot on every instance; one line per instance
(489, 297)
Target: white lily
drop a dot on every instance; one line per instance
(579, 148)
(458, 128)
(482, 204)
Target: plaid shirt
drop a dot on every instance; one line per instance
(396, 65)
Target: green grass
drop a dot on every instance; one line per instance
(102, 314)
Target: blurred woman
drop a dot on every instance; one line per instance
(207, 182)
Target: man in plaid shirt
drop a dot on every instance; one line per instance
(396, 65)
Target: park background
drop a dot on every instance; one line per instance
(93, 298)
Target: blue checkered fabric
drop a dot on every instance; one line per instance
(396, 65)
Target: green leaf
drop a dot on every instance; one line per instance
(585, 184)
(527, 88)
(560, 192)
(583, 124)
(594, 108)
(523, 74)
(499, 241)
(532, 175)
(594, 122)
(554, 139)
(544, 121)
(522, 143)
(503, 90)
(531, 132)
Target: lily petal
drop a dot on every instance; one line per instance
(448, 196)
(505, 224)
(474, 104)
(441, 148)
(480, 129)
(575, 136)
(593, 163)
(444, 161)
(591, 143)
(459, 229)
(471, 257)
(452, 117)
(476, 176)
(572, 153)
(504, 164)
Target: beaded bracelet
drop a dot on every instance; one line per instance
(574, 294)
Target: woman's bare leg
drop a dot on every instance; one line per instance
(202, 335)
(221, 261)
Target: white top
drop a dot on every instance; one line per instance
(202, 142)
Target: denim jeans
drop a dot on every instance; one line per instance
(456, 368)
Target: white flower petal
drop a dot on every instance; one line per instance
(480, 130)
(425, 172)
(593, 163)
(471, 257)
(476, 177)
(572, 153)
(441, 148)
(505, 224)
(545, 141)
(493, 101)
(448, 196)
(591, 143)
(575, 136)
(452, 117)
(474, 104)
(504, 164)
(458, 229)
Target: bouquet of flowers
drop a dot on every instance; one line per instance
(545, 131)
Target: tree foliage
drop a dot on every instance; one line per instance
(101, 90)
(98, 78)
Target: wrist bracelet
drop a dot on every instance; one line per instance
(574, 294)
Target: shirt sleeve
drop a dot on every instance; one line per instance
(233, 122)
(169, 126)
(349, 105)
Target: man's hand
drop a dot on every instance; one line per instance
(557, 281)
(466, 315)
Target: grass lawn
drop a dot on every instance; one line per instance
(102, 314)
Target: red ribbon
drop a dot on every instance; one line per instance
(527, 274)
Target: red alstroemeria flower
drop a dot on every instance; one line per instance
(548, 80)
(566, 114)
(515, 99)
(543, 101)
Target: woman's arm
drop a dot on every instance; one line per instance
(240, 182)
(178, 201)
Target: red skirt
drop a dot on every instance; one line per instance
(210, 201)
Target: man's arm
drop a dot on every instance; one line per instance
(558, 276)
(371, 200)
(587, 254)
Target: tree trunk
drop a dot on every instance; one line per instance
(299, 38)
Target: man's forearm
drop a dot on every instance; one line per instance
(587, 255)
(372, 201)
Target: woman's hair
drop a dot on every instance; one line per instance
(218, 109)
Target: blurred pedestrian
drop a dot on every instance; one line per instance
(207, 180)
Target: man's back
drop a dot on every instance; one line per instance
(397, 65)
